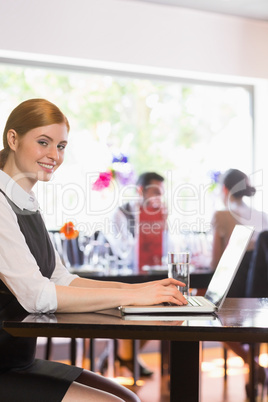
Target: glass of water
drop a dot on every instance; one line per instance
(179, 268)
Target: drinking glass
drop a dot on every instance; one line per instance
(178, 268)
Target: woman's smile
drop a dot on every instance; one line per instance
(47, 167)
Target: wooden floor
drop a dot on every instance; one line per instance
(213, 386)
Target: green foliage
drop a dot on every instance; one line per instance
(149, 120)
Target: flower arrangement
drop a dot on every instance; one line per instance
(215, 179)
(121, 171)
(103, 181)
(69, 231)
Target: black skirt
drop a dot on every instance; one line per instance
(42, 381)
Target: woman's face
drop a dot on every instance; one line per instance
(38, 154)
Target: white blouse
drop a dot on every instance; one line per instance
(18, 268)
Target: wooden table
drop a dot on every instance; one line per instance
(199, 279)
(242, 320)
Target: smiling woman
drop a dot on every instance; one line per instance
(36, 155)
(33, 152)
(32, 277)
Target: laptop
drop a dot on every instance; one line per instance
(218, 287)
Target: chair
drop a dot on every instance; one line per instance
(48, 350)
(257, 285)
(257, 280)
(238, 289)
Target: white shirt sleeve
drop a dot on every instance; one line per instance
(19, 270)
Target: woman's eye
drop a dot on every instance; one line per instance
(44, 143)
(61, 147)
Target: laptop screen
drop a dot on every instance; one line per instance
(229, 264)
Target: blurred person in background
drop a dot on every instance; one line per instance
(124, 244)
(235, 185)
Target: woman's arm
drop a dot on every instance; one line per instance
(93, 297)
(92, 283)
(38, 294)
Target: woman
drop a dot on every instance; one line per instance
(236, 186)
(32, 277)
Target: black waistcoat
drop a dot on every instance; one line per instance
(15, 351)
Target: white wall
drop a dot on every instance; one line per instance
(125, 31)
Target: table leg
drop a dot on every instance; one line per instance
(252, 379)
(92, 354)
(165, 353)
(185, 369)
(136, 368)
(73, 351)
(48, 349)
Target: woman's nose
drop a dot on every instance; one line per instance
(53, 153)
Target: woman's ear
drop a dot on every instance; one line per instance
(225, 190)
(225, 194)
(12, 137)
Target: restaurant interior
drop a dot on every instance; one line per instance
(178, 87)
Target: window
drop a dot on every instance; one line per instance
(183, 130)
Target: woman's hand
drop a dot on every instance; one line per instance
(84, 295)
(161, 291)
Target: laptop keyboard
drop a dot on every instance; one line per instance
(193, 301)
